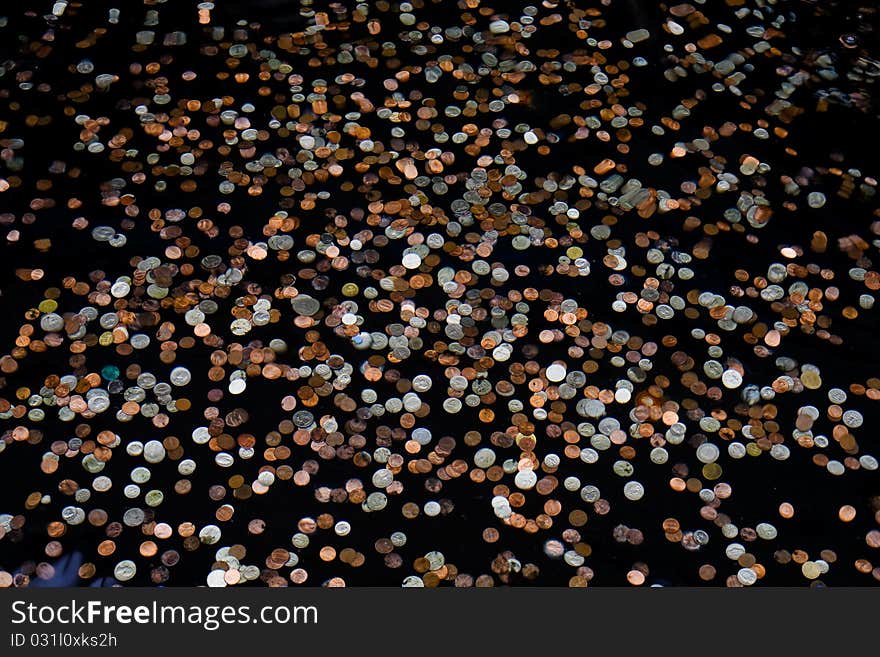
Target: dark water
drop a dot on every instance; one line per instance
(841, 136)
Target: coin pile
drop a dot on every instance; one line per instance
(430, 293)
